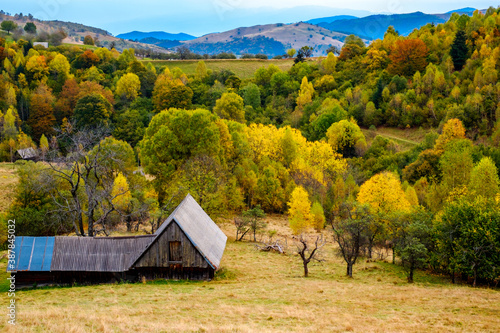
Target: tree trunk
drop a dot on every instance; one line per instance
(393, 255)
(306, 270)
(129, 223)
(410, 276)
(475, 277)
(370, 247)
(349, 269)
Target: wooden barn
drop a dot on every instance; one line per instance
(188, 245)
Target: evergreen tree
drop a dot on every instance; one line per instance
(459, 50)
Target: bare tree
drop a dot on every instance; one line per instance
(307, 252)
(80, 183)
(350, 226)
(242, 228)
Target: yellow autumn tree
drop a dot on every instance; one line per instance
(453, 129)
(329, 63)
(411, 196)
(201, 70)
(44, 145)
(128, 86)
(299, 212)
(120, 193)
(384, 194)
(306, 93)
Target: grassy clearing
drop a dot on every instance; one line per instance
(8, 181)
(261, 291)
(405, 138)
(244, 69)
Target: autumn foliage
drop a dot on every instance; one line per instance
(407, 57)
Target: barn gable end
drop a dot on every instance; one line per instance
(172, 248)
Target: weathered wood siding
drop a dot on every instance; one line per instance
(159, 252)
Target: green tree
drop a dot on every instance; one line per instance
(230, 106)
(251, 95)
(468, 238)
(459, 51)
(413, 241)
(346, 138)
(456, 164)
(8, 26)
(92, 110)
(484, 179)
(129, 127)
(318, 216)
(30, 28)
(254, 219)
(350, 225)
(181, 135)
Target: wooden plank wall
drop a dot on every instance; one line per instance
(158, 253)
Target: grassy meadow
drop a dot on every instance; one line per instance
(405, 138)
(8, 181)
(264, 292)
(243, 68)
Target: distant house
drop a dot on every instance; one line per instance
(27, 154)
(44, 44)
(188, 245)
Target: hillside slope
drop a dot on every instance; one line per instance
(160, 35)
(293, 35)
(76, 32)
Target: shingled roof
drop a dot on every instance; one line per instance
(203, 233)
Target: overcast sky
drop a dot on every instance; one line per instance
(199, 17)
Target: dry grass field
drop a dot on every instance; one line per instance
(8, 181)
(264, 292)
(404, 138)
(243, 68)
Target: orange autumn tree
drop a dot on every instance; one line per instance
(41, 117)
(408, 56)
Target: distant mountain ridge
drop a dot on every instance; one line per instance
(375, 26)
(160, 35)
(462, 10)
(331, 19)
